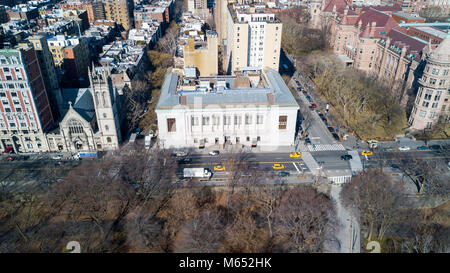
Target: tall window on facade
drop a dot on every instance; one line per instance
(194, 121)
(205, 121)
(259, 119)
(282, 122)
(171, 125)
(248, 119)
(75, 127)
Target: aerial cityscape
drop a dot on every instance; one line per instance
(224, 126)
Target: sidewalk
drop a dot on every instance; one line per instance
(238, 148)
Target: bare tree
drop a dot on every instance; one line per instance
(303, 220)
(89, 194)
(168, 43)
(203, 234)
(425, 233)
(268, 198)
(241, 172)
(425, 175)
(144, 231)
(243, 235)
(375, 198)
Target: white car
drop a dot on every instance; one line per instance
(57, 157)
(404, 148)
(215, 152)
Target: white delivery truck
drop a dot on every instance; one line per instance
(196, 172)
(147, 142)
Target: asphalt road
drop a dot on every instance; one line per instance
(316, 128)
(331, 159)
(263, 160)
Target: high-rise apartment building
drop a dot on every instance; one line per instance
(94, 8)
(48, 71)
(253, 39)
(432, 100)
(120, 11)
(24, 106)
(70, 54)
(202, 55)
(414, 6)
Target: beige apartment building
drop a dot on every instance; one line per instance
(202, 55)
(434, 89)
(253, 39)
(120, 11)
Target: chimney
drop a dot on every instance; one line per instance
(372, 29)
(183, 100)
(270, 98)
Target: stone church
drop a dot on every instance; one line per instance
(90, 116)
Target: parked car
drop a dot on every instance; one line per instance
(215, 152)
(336, 136)
(435, 147)
(313, 106)
(422, 148)
(324, 119)
(9, 158)
(404, 148)
(284, 174)
(8, 150)
(367, 153)
(308, 98)
(56, 157)
(179, 153)
(305, 92)
(346, 157)
(331, 129)
(307, 140)
(184, 160)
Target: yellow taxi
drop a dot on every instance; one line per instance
(295, 155)
(367, 153)
(277, 166)
(219, 168)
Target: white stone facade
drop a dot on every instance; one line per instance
(261, 115)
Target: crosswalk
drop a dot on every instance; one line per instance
(321, 147)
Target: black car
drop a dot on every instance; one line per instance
(305, 92)
(184, 160)
(307, 140)
(324, 119)
(321, 115)
(308, 98)
(331, 129)
(336, 136)
(346, 157)
(435, 147)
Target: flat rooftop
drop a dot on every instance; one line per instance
(248, 87)
(433, 31)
